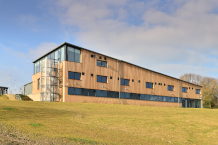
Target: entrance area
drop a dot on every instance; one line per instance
(191, 103)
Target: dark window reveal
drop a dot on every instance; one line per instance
(149, 85)
(184, 89)
(197, 91)
(125, 82)
(101, 63)
(170, 88)
(74, 75)
(102, 79)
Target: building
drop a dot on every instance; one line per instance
(70, 73)
(3, 90)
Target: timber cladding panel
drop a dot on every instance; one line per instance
(35, 78)
(127, 71)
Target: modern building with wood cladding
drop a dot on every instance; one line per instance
(70, 73)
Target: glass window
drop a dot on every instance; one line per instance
(184, 89)
(197, 91)
(98, 93)
(77, 55)
(101, 79)
(152, 97)
(175, 99)
(62, 56)
(160, 98)
(164, 98)
(149, 85)
(168, 99)
(122, 95)
(125, 82)
(171, 99)
(70, 91)
(155, 98)
(180, 100)
(74, 75)
(142, 97)
(73, 54)
(170, 88)
(101, 63)
(127, 95)
(104, 79)
(98, 63)
(104, 93)
(78, 91)
(147, 97)
(38, 84)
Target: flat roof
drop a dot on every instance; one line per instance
(65, 43)
(3, 87)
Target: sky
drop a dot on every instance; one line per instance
(172, 37)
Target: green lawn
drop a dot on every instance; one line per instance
(111, 124)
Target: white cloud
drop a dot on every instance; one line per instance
(179, 34)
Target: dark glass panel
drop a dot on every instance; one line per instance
(104, 79)
(77, 76)
(127, 95)
(160, 98)
(175, 99)
(126, 82)
(147, 97)
(137, 97)
(104, 63)
(122, 95)
(122, 82)
(155, 98)
(98, 93)
(152, 97)
(164, 98)
(70, 52)
(98, 78)
(110, 94)
(168, 99)
(171, 99)
(142, 97)
(104, 93)
(98, 63)
(71, 75)
(77, 55)
(78, 91)
(116, 95)
(70, 91)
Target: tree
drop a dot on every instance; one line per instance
(209, 90)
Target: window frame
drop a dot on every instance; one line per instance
(199, 91)
(101, 77)
(124, 81)
(147, 84)
(74, 75)
(170, 89)
(101, 63)
(184, 89)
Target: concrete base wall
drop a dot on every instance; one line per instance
(35, 97)
(86, 99)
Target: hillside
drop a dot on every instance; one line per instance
(111, 124)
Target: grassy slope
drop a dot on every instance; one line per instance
(112, 124)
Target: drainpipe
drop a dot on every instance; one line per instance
(201, 99)
(119, 80)
(178, 93)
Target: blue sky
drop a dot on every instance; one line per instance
(169, 36)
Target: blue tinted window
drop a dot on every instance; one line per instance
(160, 98)
(152, 97)
(98, 78)
(147, 97)
(70, 91)
(170, 88)
(127, 95)
(149, 85)
(98, 63)
(104, 79)
(77, 76)
(71, 75)
(101, 63)
(98, 93)
(184, 89)
(104, 64)
(175, 99)
(171, 99)
(73, 54)
(122, 82)
(78, 91)
(180, 100)
(197, 91)
(104, 93)
(122, 95)
(74, 75)
(168, 99)
(155, 98)
(142, 97)
(125, 82)
(164, 98)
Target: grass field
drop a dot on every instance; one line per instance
(111, 124)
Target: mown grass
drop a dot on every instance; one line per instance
(111, 123)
